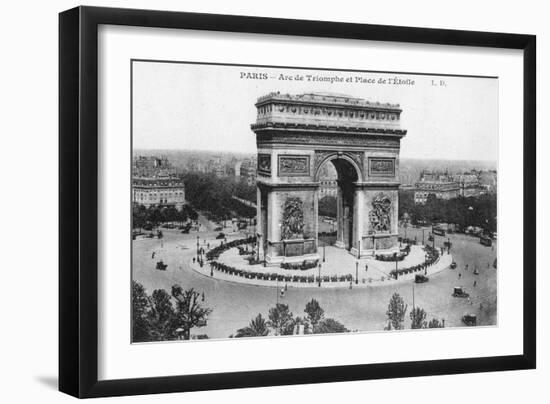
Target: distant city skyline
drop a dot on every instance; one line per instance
(210, 108)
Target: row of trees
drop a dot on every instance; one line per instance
(151, 217)
(214, 195)
(327, 206)
(480, 211)
(281, 321)
(397, 309)
(162, 316)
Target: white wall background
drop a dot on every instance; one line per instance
(28, 170)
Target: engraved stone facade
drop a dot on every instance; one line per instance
(264, 164)
(301, 133)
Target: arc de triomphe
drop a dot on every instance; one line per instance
(296, 135)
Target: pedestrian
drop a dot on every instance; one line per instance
(475, 284)
(153, 255)
(193, 260)
(459, 275)
(466, 267)
(366, 267)
(203, 296)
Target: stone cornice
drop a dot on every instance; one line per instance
(328, 100)
(286, 185)
(377, 184)
(364, 184)
(258, 127)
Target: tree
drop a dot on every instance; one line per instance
(396, 312)
(162, 316)
(140, 308)
(155, 216)
(435, 323)
(314, 313)
(139, 216)
(256, 328)
(418, 317)
(327, 206)
(189, 313)
(330, 326)
(281, 320)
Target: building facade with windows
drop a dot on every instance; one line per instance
(158, 191)
(155, 183)
(446, 186)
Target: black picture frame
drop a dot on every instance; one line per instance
(78, 206)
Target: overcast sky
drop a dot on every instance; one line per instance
(205, 107)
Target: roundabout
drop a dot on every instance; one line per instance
(235, 300)
(339, 269)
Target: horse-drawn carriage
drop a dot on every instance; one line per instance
(469, 319)
(419, 278)
(460, 292)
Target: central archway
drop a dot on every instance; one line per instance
(347, 176)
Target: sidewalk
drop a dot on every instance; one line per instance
(377, 274)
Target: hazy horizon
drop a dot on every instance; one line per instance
(180, 106)
(158, 152)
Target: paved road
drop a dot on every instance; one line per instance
(358, 309)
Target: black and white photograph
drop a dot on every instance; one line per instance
(275, 202)
(298, 202)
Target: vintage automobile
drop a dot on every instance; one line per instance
(476, 272)
(420, 278)
(161, 266)
(460, 292)
(486, 241)
(438, 230)
(453, 265)
(469, 319)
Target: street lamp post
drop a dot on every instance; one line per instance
(324, 245)
(197, 245)
(258, 242)
(395, 258)
(319, 275)
(356, 272)
(426, 265)
(423, 229)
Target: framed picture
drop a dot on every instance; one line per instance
(249, 202)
